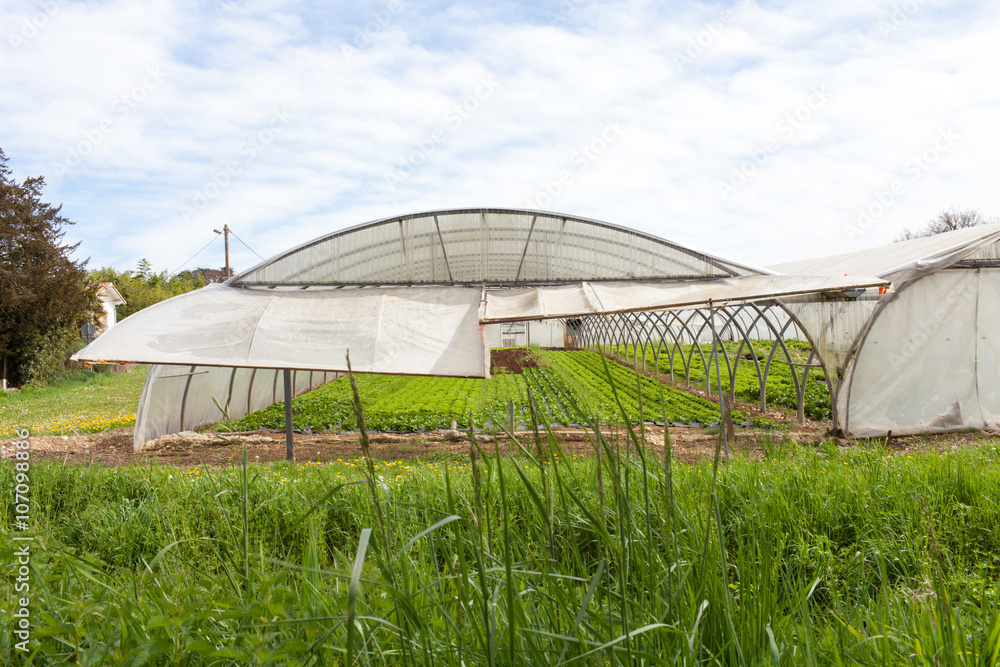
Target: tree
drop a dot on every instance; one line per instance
(212, 275)
(948, 221)
(43, 294)
(143, 287)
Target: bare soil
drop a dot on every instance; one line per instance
(513, 361)
(688, 445)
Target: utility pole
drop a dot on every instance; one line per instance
(225, 232)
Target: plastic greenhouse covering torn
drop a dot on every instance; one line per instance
(412, 295)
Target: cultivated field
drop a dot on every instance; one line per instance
(567, 387)
(540, 549)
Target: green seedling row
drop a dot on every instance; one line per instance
(569, 388)
(780, 389)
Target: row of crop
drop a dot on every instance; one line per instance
(649, 405)
(780, 387)
(569, 388)
(424, 403)
(555, 398)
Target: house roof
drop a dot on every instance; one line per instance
(106, 292)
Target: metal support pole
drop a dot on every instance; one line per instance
(718, 382)
(289, 439)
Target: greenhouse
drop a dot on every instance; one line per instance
(416, 294)
(923, 356)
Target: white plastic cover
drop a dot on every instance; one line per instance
(476, 246)
(597, 298)
(419, 331)
(913, 258)
(182, 398)
(930, 361)
(837, 326)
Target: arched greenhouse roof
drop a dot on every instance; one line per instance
(486, 246)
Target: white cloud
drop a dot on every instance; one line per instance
(562, 76)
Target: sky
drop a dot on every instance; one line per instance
(761, 131)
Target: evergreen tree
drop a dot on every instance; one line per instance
(43, 294)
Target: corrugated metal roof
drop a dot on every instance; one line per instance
(887, 260)
(492, 246)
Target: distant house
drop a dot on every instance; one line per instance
(110, 299)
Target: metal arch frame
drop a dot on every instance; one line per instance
(684, 328)
(696, 342)
(817, 354)
(724, 265)
(642, 329)
(745, 341)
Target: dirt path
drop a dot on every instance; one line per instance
(688, 445)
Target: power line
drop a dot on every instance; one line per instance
(244, 243)
(214, 239)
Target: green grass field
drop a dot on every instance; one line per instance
(811, 556)
(805, 558)
(85, 402)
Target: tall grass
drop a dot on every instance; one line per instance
(808, 557)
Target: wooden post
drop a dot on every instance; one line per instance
(229, 270)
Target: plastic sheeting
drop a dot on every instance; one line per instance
(596, 298)
(183, 398)
(492, 246)
(930, 361)
(843, 330)
(419, 331)
(912, 258)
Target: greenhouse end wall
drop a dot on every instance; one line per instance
(930, 361)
